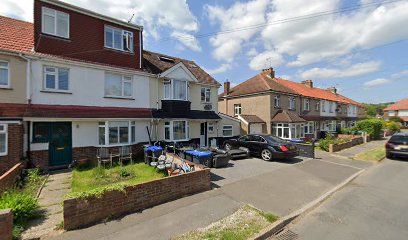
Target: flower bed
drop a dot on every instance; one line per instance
(342, 141)
(116, 201)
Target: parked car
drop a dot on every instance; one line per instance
(397, 146)
(264, 146)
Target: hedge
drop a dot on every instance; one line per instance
(370, 126)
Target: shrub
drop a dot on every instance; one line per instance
(330, 139)
(370, 126)
(391, 125)
(24, 206)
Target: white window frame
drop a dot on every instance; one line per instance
(331, 107)
(106, 124)
(123, 81)
(123, 34)
(323, 103)
(310, 126)
(317, 106)
(8, 74)
(170, 83)
(277, 101)
(292, 129)
(211, 127)
(292, 103)
(306, 104)
(56, 74)
(230, 128)
(237, 109)
(170, 126)
(5, 133)
(207, 98)
(55, 16)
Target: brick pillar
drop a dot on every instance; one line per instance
(6, 224)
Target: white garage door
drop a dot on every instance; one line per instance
(255, 128)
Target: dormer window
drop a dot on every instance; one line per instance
(118, 39)
(166, 59)
(175, 90)
(55, 22)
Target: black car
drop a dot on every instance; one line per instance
(397, 146)
(264, 146)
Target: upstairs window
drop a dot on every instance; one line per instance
(118, 39)
(330, 107)
(277, 101)
(56, 79)
(323, 106)
(55, 22)
(4, 75)
(205, 95)
(292, 103)
(317, 106)
(237, 109)
(118, 85)
(3, 139)
(175, 90)
(306, 105)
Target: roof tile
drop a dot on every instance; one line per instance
(401, 105)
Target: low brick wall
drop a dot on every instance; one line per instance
(83, 212)
(9, 178)
(15, 147)
(6, 224)
(354, 140)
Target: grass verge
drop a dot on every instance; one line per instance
(244, 223)
(376, 155)
(86, 179)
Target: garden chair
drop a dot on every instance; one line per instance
(103, 156)
(125, 153)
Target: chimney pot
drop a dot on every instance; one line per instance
(333, 90)
(269, 71)
(308, 83)
(227, 86)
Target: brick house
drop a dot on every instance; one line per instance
(398, 110)
(81, 81)
(287, 109)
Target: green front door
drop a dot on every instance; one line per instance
(60, 143)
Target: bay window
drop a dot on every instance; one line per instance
(176, 130)
(116, 133)
(117, 85)
(4, 74)
(309, 128)
(56, 79)
(175, 90)
(205, 95)
(227, 131)
(55, 22)
(3, 139)
(329, 126)
(288, 130)
(118, 39)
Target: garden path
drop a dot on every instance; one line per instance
(57, 185)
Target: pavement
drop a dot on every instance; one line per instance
(276, 187)
(50, 199)
(351, 152)
(371, 207)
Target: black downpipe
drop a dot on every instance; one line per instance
(148, 133)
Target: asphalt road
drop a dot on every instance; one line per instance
(374, 206)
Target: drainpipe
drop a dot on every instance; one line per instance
(157, 82)
(28, 77)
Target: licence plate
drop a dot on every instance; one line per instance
(401, 147)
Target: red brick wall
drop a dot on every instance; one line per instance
(82, 212)
(6, 224)
(15, 147)
(39, 159)
(8, 179)
(86, 39)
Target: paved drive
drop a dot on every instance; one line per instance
(372, 207)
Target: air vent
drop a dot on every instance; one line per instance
(166, 59)
(208, 107)
(192, 65)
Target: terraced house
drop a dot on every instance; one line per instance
(398, 110)
(75, 80)
(270, 105)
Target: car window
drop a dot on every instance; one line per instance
(244, 138)
(399, 139)
(256, 139)
(273, 139)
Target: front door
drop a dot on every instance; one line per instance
(203, 134)
(60, 144)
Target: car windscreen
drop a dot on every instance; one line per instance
(399, 139)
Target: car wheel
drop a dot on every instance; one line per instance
(266, 155)
(227, 146)
(388, 155)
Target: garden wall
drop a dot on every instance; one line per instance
(83, 212)
(306, 150)
(6, 224)
(9, 178)
(354, 140)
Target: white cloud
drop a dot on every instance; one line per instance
(252, 52)
(238, 15)
(153, 15)
(265, 60)
(187, 40)
(376, 82)
(223, 68)
(399, 75)
(354, 70)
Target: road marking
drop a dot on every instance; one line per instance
(340, 164)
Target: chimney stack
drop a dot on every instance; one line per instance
(269, 71)
(308, 83)
(227, 86)
(333, 90)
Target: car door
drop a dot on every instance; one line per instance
(257, 144)
(243, 141)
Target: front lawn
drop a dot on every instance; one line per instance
(376, 154)
(241, 225)
(90, 178)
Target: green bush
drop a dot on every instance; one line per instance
(330, 139)
(24, 206)
(370, 126)
(391, 125)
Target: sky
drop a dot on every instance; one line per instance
(359, 47)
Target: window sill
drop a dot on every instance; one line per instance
(119, 50)
(60, 92)
(55, 37)
(5, 88)
(3, 154)
(181, 100)
(120, 98)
